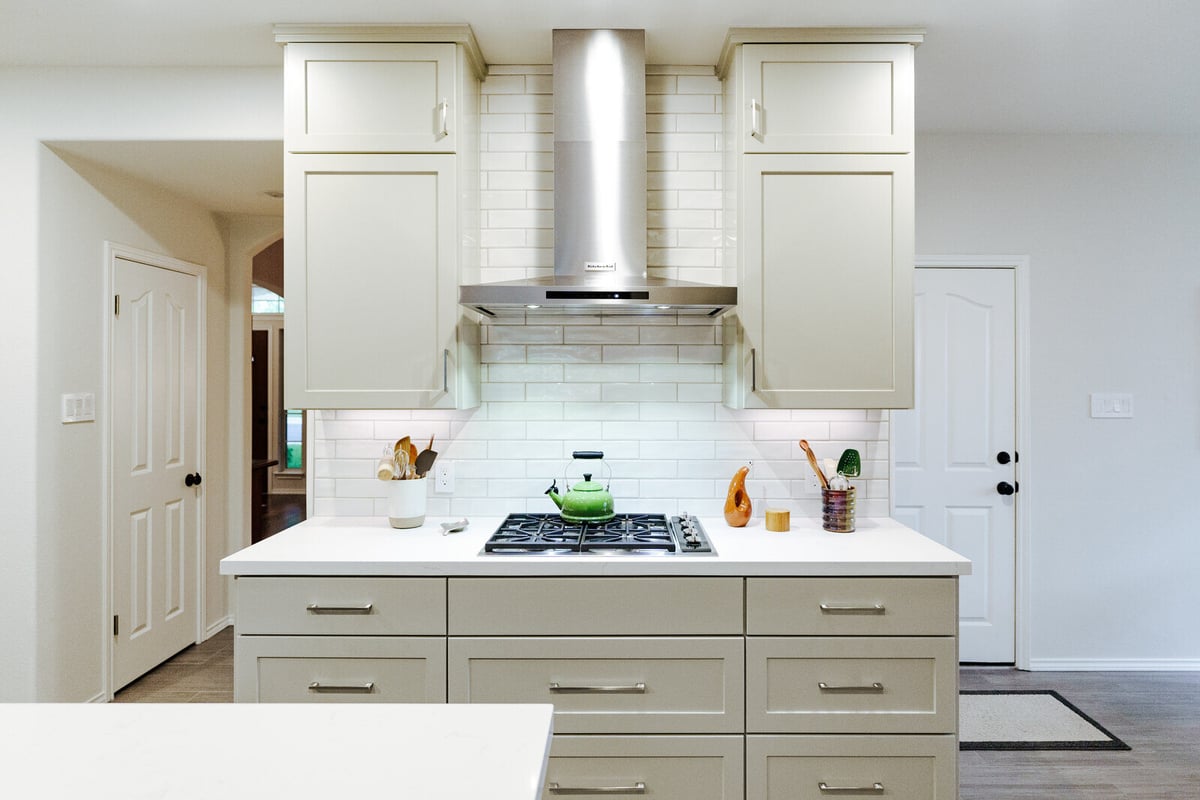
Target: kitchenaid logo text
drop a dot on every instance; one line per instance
(597, 266)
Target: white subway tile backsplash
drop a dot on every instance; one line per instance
(646, 391)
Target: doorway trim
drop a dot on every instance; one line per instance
(1020, 266)
(112, 252)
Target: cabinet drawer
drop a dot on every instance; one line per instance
(906, 767)
(342, 669)
(851, 606)
(341, 606)
(667, 767)
(595, 606)
(618, 685)
(370, 98)
(851, 685)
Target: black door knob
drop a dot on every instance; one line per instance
(1005, 488)
(1003, 457)
(192, 479)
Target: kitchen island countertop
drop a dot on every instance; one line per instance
(253, 750)
(370, 546)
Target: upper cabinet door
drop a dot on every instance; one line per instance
(370, 98)
(372, 313)
(826, 294)
(826, 98)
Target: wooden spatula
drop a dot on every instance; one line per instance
(812, 462)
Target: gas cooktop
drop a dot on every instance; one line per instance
(624, 534)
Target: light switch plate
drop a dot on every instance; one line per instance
(79, 407)
(1110, 405)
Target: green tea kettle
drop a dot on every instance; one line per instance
(588, 500)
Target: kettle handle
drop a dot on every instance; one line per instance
(588, 454)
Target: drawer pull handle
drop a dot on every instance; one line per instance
(874, 688)
(316, 687)
(756, 119)
(828, 608)
(875, 788)
(319, 609)
(637, 788)
(633, 688)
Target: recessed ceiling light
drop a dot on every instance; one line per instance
(275, 193)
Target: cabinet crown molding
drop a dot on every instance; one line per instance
(350, 32)
(739, 36)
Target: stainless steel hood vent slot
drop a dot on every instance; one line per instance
(599, 193)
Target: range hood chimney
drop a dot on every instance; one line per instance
(599, 193)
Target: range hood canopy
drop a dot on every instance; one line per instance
(599, 193)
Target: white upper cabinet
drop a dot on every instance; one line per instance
(819, 226)
(826, 98)
(381, 216)
(371, 98)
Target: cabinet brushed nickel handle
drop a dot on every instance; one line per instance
(443, 118)
(316, 687)
(316, 608)
(446, 370)
(637, 788)
(833, 608)
(633, 688)
(874, 688)
(874, 788)
(756, 120)
(753, 371)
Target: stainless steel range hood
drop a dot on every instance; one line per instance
(599, 193)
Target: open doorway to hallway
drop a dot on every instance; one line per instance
(278, 434)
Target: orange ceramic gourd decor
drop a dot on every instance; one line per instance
(737, 502)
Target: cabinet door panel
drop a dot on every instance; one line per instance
(826, 303)
(851, 684)
(608, 685)
(908, 767)
(339, 669)
(369, 98)
(668, 767)
(371, 283)
(828, 98)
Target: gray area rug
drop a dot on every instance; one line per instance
(1035, 719)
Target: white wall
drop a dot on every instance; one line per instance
(1111, 225)
(53, 221)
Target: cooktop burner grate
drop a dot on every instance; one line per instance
(549, 534)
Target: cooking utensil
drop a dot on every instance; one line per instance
(850, 464)
(812, 462)
(454, 527)
(425, 459)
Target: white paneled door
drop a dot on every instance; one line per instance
(955, 462)
(156, 458)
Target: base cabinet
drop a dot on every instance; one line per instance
(686, 688)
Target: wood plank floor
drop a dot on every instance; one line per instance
(1155, 713)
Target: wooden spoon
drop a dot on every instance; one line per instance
(812, 462)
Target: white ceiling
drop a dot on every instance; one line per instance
(1013, 66)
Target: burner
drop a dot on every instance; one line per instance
(549, 534)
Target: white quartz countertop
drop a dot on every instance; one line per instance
(370, 546)
(255, 751)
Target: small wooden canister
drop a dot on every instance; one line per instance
(779, 519)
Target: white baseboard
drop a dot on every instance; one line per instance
(1114, 664)
(218, 626)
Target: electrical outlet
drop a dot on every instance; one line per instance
(812, 486)
(443, 477)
